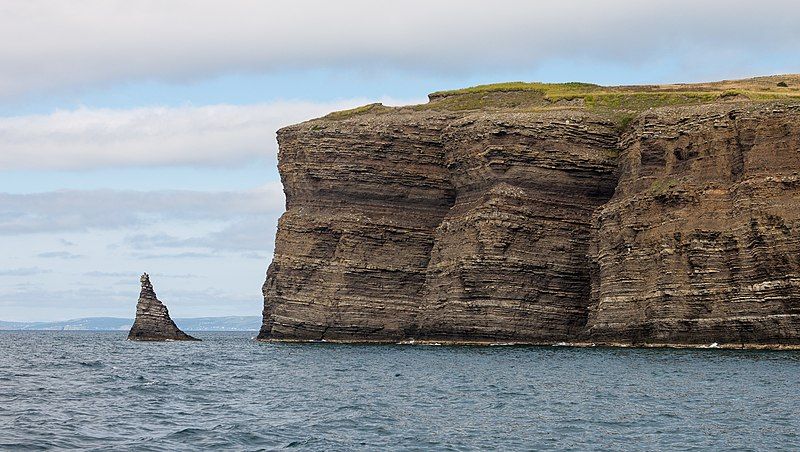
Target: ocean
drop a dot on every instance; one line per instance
(97, 391)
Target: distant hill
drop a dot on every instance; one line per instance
(231, 323)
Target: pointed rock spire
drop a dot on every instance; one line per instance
(152, 318)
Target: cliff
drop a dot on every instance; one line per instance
(544, 213)
(153, 322)
(701, 241)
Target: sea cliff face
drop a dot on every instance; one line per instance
(701, 241)
(539, 213)
(508, 261)
(364, 197)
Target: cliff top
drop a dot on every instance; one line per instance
(620, 102)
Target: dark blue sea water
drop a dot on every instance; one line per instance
(98, 391)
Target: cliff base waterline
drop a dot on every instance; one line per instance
(713, 345)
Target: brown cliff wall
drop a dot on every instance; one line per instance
(701, 242)
(363, 199)
(435, 226)
(490, 218)
(509, 258)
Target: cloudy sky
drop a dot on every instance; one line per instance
(140, 135)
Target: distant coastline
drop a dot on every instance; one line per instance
(229, 323)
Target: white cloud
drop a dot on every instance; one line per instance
(183, 255)
(133, 274)
(82, 210)
(47, 44)
(23, 271)
(154, 136)
(254, 233)
(59, 255)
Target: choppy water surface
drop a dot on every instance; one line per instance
(96, 390)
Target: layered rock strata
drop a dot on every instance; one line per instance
(513, 217)
(364, 198)
(153, 322)
(509, 257)
(701, 241)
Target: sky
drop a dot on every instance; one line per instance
(140, 136)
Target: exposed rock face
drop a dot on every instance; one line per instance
(515, 223)
(364, 198)
(437, 226)
(152, 321)
(701, 241)
(509, 257)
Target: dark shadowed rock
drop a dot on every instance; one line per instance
(152, 321)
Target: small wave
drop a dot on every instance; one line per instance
(188, 432)
(299, 443)
(96, 363)
(142, 382)
(712, 345)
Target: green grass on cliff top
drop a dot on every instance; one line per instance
(614, 100)
(342, 114)
(596, 97)
(549, 89)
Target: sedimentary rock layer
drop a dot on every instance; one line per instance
(537, 214)
(509, 258)
(363, 199)
(701, 241)
(153, 322)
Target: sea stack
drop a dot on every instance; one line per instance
(152, 318)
